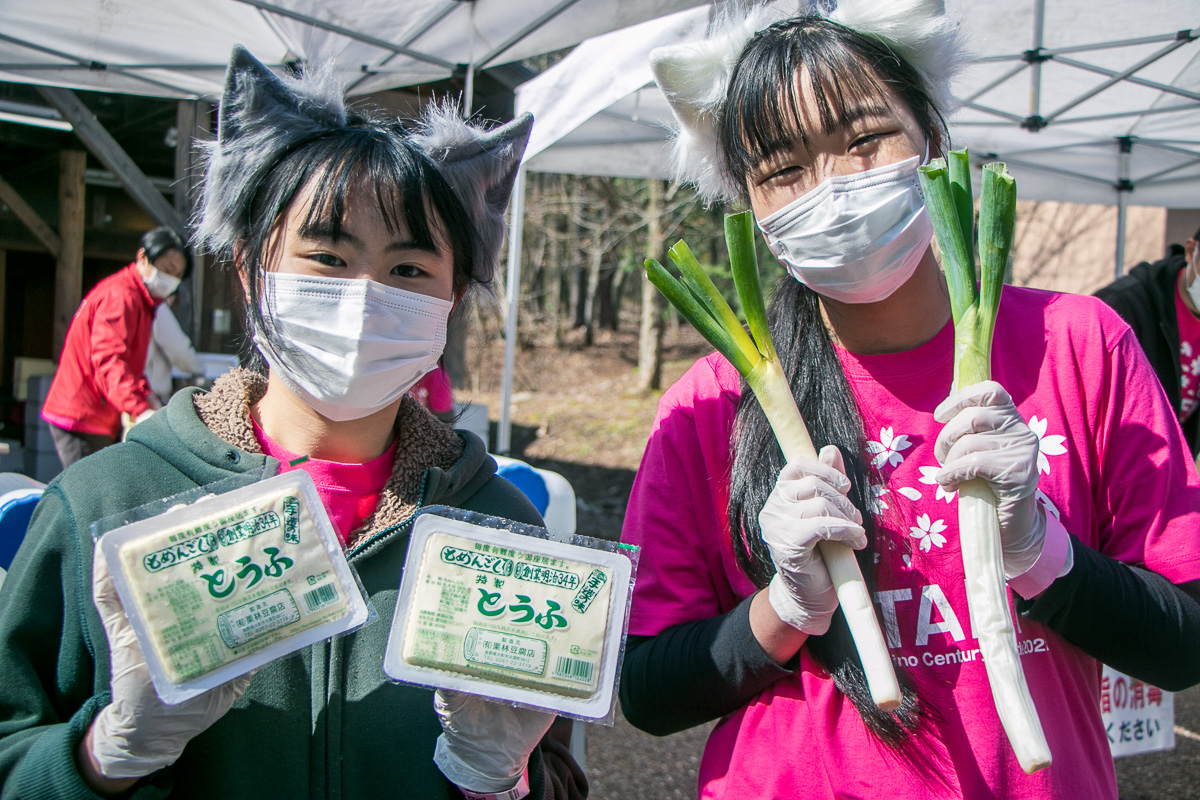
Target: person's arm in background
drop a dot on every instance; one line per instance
(169, 335)
(118, 369)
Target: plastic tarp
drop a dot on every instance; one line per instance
(597, 111)
(178, 48)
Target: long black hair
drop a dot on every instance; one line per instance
(761, 116)
(410, 194)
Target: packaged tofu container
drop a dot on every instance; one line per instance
(223, 585)
(500, 609)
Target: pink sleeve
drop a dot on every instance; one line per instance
(1148, 495)
(672, 516)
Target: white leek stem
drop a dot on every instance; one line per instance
(775, 397)
(992, 624)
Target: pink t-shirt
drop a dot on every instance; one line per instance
(350, 492)
(1114, 469)
(1189, 356)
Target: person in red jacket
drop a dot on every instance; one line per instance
(101, 372)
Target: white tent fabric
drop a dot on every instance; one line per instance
(178, 48)
(1113, 72)
(588, 119)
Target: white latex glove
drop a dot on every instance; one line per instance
(137, 733)
(485, 746)
(808, 504)
(986, 437)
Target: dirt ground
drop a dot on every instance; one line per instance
(578, 412)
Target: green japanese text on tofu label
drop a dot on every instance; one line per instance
(221, 584)
(257, 573)
(246, 528)
(257, 618)
(179, 552)
(535, 573)
(509, 615)
(480, 562)
(588, 593)
(505, 650)
(291, 520)
(230, 530)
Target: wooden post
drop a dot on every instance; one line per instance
(4, 373)
(191, 125)
(68, 280)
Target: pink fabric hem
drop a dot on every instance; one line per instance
(73, 425)
(1037, 579)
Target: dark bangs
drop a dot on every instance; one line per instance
(410, 195)
(846, 71)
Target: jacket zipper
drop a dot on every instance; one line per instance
(358, 548)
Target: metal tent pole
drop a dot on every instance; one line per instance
(513, 296)
(1124, 187)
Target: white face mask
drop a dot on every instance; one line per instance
(351, 347)
(855, 238)
(160, 285)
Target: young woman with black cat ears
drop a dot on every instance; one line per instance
(353, 238)
(819, 122)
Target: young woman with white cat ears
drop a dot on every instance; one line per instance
(353, 239)
(819, 122)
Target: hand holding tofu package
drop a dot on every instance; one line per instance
(499, 609)
(219, 587)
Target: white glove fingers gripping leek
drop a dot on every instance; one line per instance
(755, 358)
(946, 184)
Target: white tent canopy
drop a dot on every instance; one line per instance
(596, 112)
(179, 48)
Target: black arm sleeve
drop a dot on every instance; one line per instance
(694, 673)
(553, 772)
(1134, 620)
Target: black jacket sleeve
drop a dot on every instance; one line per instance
(1134, 620)
(553, 772)
(694, 673)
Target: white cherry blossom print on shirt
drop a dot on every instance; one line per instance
(887, 449)
(1047, 445)
(927, 478)
(930, 533)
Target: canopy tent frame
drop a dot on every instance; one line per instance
(1034, 59)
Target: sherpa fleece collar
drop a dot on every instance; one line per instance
(425, 443)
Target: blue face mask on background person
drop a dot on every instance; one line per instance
(855, 238)
(350, 347)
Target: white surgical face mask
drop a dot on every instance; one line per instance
(160, 285)
(349, 347)
(855, 238)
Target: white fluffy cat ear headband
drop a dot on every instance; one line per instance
(694, 76)
(262, 116)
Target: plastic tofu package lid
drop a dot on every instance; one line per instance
(224, 579)
(512, 612)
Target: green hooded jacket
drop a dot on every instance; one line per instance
(322, 723)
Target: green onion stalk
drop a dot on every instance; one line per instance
(753, 355)
(947, 187)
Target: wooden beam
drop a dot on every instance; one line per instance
(30, 218)
(192, 125)
(105, 148)
(4, 373)
(68, 279)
